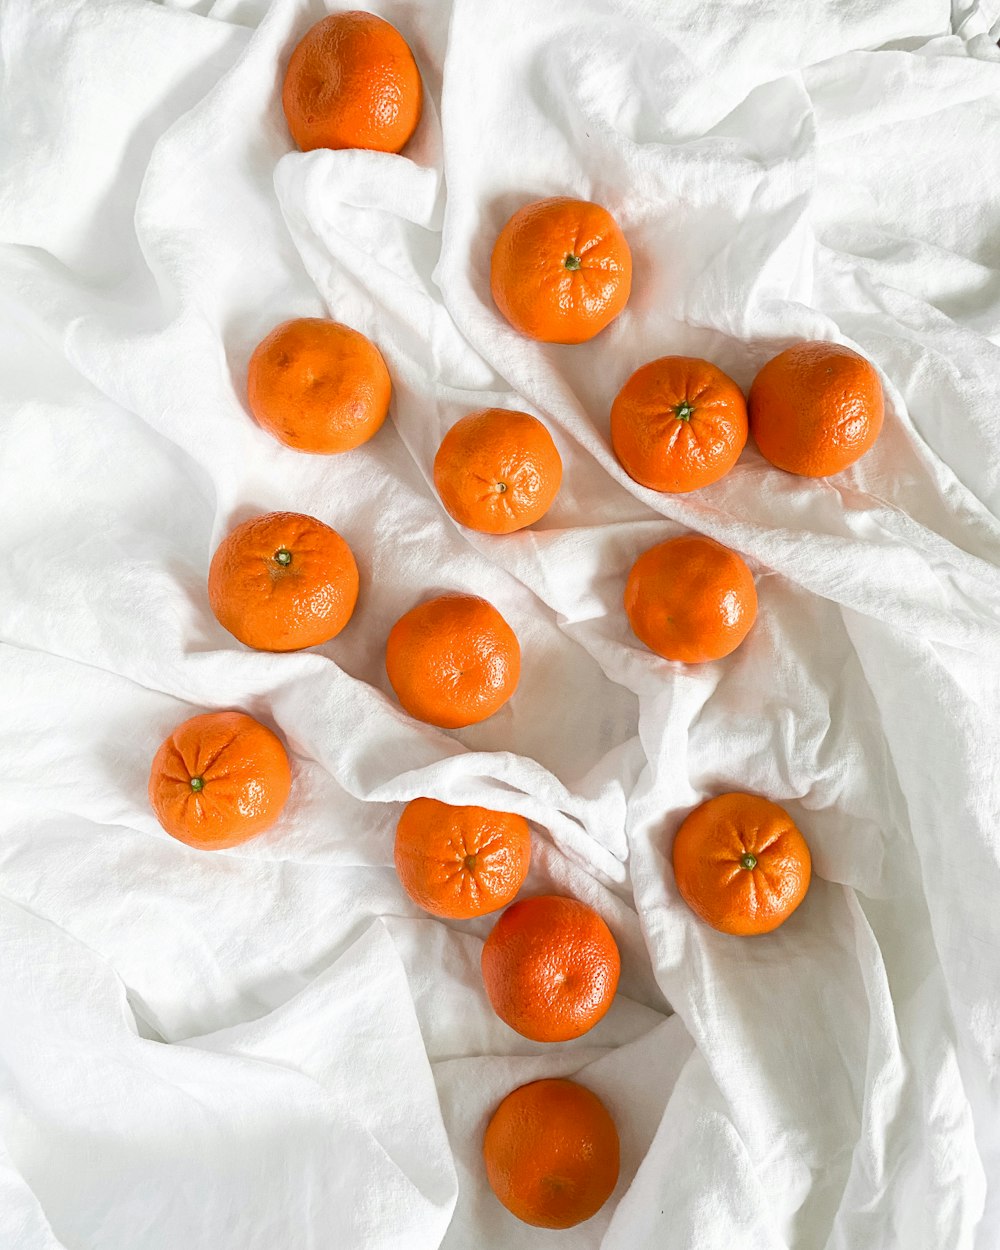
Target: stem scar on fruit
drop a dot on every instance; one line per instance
(748, 860)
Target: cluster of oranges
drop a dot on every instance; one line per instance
(561, 272)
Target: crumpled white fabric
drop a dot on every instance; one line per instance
(271, 1047)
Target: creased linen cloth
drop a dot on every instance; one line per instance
(271, 1047)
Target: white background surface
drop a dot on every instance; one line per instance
(270, 1048)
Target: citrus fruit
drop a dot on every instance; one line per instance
(690, 599)
(497, 471)
(461, 862)
(561, 270)
(219, 779)
(678, 424)
(741, 864)
(816, 408)
(550, 967)
(283, 581)
(552, 1153)
(352, 82)
(318, 386)
(453, 661)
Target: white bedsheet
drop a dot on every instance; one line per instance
(271, 1048)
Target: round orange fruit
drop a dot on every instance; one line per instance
(816, 408)
(318, 386)
(218, 780)
(283, 581)
(678, 424)
(497, 471)
(561, 270)
(352, 82)
(453, 661)
(741, 864)
(552, 1153)
(551, 968)
(461, 862)
(690, 599)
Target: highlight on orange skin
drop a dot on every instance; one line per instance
(741, 864)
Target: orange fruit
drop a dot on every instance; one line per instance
(352, 82)
(461, 862)
(318, 386)
(497, 471)
(453, 661)
(550, 967)
(283, 581)
(816, 408)
(690, 599)
(741, 864)
(561, 270)
(552, 1154)
(219, 779)
(678, 424)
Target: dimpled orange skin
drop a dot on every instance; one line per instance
(690, 599)
(352, 82)
(678, 424)
(816, 408)
(453, 661)
(552, 1153)
(283, 581)
(318, 386)
(497, 471)
(561, 270)
(741, 864)
(551, 968)
(241, 780)
(461, 862)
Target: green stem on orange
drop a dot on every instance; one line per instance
(684, 411)
(197, 784)
(748, 860)
(283, 557)
(572, 262)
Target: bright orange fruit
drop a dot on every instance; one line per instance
(741, 864)
(561, 270)
(283, 581)
(552, 1153)
(219, 779)
(550, 967)
(678, 424)
(497, 471)
(352, 82)
(461, 862)
(453, 661)
(690, 599)
(816, 408)
(318, 386)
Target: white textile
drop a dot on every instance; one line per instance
(271, 1048)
